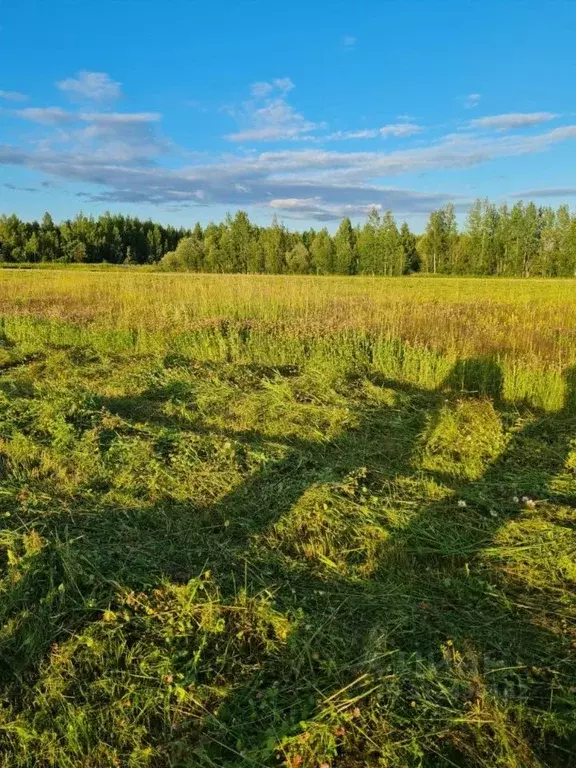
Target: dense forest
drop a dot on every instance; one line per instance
(112, 238)
(522, 240)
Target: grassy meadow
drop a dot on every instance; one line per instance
(286, 521)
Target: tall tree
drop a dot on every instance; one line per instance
(298, 260)
(345, 254)
(566, 240)
(241, 235)
(451, 240)
(368, 245)
(390, 246)
(434, 242)
(322, 253)
(410, 255)
(273, 241)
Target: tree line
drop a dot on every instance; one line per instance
(523, 240)
(112, 238)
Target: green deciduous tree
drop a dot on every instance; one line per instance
(274, 241)
(523, 240)
(298, 260)
(410, 255)
(322, 253)
(345, 253)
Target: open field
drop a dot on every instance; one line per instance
(259, 521)
(415, 329)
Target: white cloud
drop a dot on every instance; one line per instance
(511, 120)
(122, 155)
(262, 89)
(123, 135)
(472, 100)
(310, 183)
(349, 41)
(283, 84)
(294, 203)
(274, 122)
(244, 181)
(91, 86)
(559, 192)
(116, 135)
(45, 115)
(394, 129)
(56, 116)
(13, 96)
(400, 129)
(116, 118)
(316, 208)
(269, 117)
(368, 133)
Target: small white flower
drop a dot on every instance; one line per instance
(515, 499)
(493, 513)
(462, 504)
(525, 499)
(530, 503)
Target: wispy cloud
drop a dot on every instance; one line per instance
(354, 205)
(57, 116)
(45, 115)
(511, 120)
(394, 129)
(121, 157)
(471, 100)
(269, 116)
(116, 118)
(400, 129)
(367, 133)
(281, 84)
(311, 183)
(349, 42)
(91, 86)
(559, 192)
(119, 135)
(13, 96)
(16, 188)
(127, 136)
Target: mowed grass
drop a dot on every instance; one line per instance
(259, 537)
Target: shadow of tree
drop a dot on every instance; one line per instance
(480, 623)
(477, 375)
(376, 613)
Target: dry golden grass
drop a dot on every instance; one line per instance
(529, 320)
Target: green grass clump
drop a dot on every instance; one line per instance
(223, 559)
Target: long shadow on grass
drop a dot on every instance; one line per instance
(381, 593)
(433, 600)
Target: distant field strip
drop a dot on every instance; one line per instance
(409, 328)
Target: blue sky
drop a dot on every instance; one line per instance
(310, 111)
